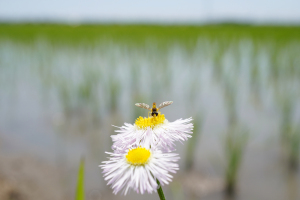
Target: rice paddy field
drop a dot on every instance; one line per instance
(62, 87)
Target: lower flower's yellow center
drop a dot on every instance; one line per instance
(138, 156)
(149, 121)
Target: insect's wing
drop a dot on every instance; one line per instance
(164, 104)
(143, 105)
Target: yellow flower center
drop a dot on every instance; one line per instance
(138, 156)
(149, 121)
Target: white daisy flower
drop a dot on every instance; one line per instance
(163, 133)
(139, 168)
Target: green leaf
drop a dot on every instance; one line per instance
(80, 182)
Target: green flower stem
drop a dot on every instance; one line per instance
(160, 191)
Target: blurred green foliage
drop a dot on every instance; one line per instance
(136, 34)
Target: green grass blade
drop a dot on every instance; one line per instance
(80, 183)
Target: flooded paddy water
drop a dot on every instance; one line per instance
(63, 87)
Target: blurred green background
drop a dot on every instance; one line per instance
(62, 87)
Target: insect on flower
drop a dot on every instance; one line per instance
(142, 157)
(162, 132)
(154, 110)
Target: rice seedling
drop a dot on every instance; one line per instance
(293, 147)
(193, 143)
(235, 143)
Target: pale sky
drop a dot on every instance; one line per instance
(163, 11)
